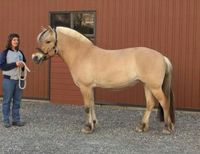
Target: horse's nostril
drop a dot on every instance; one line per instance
(35, 58)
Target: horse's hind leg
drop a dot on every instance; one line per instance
(144, 125)
(88, 96)
(160, 96)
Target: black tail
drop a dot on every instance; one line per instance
(161, 112)
(168, 92)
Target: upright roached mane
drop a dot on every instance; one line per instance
(91, 67)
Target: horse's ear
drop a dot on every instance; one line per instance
(50, 29)
(43, 28)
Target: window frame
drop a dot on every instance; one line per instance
(93, 36)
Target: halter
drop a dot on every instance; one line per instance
(54, 48)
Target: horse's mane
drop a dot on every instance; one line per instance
(74, 34)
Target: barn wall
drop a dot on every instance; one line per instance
(169, 26)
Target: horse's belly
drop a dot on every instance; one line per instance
(117, 83)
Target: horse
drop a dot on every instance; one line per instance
(92, 66)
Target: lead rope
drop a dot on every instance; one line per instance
(26, 69)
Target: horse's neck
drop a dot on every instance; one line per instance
(71, 48)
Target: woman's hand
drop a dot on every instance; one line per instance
(19, 64)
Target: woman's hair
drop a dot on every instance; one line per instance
(9, 42)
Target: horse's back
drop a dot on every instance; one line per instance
(124, 66)
(140, 56)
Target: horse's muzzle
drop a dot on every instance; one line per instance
(38, 58)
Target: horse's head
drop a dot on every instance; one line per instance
(47, 41)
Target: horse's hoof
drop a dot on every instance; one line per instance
(168, 129)
(87, 129)
(142, 127)
(172, 127)
(138, 129)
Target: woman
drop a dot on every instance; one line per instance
(11, 59)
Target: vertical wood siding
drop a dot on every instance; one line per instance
(26, 18)
(169, 26)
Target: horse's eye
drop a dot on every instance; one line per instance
(48, 41)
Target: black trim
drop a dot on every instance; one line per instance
(55, 45)
(3, 62)
(8, 77)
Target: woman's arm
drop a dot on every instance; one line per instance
(3, 62)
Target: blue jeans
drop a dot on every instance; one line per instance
(11, 93)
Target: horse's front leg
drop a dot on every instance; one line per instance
(88, 96)
(95, 121)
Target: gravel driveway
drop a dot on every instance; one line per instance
(55, 129)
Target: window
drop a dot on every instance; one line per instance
(82, 21)
(60, 19)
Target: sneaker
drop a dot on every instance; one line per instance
(19, 124)
(7, 124)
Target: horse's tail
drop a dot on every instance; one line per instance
(166, 86)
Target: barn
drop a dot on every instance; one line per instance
(168, 26)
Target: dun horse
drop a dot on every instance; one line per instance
(91, 67)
